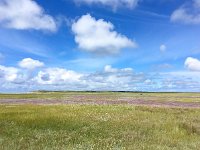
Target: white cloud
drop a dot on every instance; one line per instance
(163, 48)
(62, 79)
(57, 76)
(8, 73)
(148, 81)
(114, 79)
(29, 63)
(187, 14)
(98, 36)
(192, 64)
(118, 79)
(110, 69)
(25, 14)
(111, 3)
(183, 81)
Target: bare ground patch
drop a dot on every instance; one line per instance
(101, 101)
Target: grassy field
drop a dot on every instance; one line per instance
(103, 127)
(98, 127)
(90, 96)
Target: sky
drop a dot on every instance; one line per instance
(103, 45)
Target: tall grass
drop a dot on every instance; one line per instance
(98, 127)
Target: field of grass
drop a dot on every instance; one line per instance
(88, 127)
(90, 96)
(98, 127)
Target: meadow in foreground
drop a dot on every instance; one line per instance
(98, 127)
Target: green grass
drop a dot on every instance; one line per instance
(98, 127)
(182, 97)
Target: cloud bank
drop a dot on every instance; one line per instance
(17, 79)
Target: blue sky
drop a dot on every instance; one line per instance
(143, 45)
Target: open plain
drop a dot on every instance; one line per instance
(99, 120)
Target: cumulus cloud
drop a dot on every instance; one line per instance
(29, 63)
(114, 79)
(111, 3)
(14, 79)
(98, 36)
(192, 64)
(109, 78)
(8, 73)
(183, 81)
(62, 79)
(25, 14)
(11, 75)
(187, 14)
(57, 76)
(163, 48)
